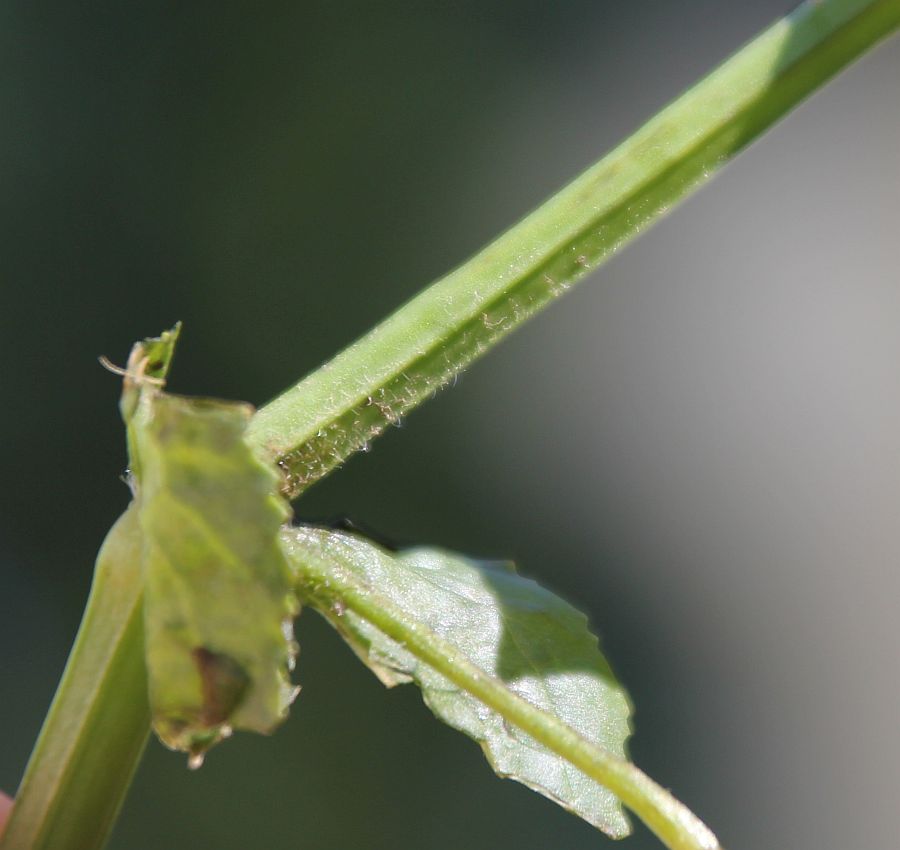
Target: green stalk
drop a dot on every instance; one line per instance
(96, 729)
(330, 587)
(94, 734)
(336, 410)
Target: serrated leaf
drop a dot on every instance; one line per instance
(514, 630)
(218, 592)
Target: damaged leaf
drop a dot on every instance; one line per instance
(218, 598)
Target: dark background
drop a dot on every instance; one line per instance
(700, 446)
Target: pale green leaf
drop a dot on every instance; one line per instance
(218, 597)
(536, 644)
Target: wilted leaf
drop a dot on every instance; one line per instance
(218, 598)
(511, 628)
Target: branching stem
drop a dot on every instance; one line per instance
(96, 728)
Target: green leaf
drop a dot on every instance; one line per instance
(218, 592)
(523, 636)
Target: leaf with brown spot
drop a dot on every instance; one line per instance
(218, 597)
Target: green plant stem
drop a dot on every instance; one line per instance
(97, 726)
(329, 587)
(96, 729)
(336, 410)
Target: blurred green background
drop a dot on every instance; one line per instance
(700, 446)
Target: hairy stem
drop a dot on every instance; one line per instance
(327, 585)
(96, 729)
(336, 410)
(94, 734)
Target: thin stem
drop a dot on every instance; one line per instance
(327, 585)
(317, 424)
(95, 732)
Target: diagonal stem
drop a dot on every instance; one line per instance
(314, 426)
(94, 734)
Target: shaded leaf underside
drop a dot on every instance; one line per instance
(536, 644)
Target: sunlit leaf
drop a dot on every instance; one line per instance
(218, 598)
(538, 645)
